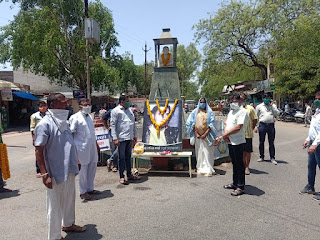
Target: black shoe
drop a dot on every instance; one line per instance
(316, 196)
(307, 189)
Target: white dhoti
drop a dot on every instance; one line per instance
(205, 157)
(60, 206)
(86, 177)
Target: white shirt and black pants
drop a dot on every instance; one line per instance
(237, 144)
(266, 115)
(123, 128)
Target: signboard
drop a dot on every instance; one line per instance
(79, 94)
(6, 94)
(169, 137)
(221, 149)
(102, 136)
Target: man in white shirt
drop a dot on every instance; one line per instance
(34, 120)
(267, 112)
(234, 135)
(307, 115)
(313, 141)
(82, 128)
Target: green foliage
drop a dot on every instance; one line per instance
(188, 62)
(47, 37)
(247, 34)
(215, 75)
(297, 58)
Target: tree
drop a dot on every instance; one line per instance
(47, 37)
(240, 30)
(297, 58)
(188, 62)
(216, 74)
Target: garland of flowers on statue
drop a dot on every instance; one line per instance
(4, 161)
(163, 122)
(165, 61)
(162, 111)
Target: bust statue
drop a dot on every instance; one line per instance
(165, 59)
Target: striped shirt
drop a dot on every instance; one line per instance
(252, 116)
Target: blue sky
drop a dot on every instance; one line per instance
(140, 21)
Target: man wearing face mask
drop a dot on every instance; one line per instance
(234, 135)
(124, 134)
(267, 112)
(313, 141)
(56, 155)
(82, 128)
(252, 122)
(200, 125)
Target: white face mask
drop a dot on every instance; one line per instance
(234, 106)
(60, 114)
(60, 117)
(86, 110)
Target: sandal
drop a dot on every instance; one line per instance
(74, 228)
(85, 196)
(123, 181)
(133, 178)
(114, 169)
(229, 186)
(237, 192)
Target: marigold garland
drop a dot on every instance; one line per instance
(163, 122)
(4, 161)
(165, 61)
(162, 111)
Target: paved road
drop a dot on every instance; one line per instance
(170, 206)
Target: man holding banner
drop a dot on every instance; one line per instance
(82, 128)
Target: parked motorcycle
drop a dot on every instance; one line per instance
(286, 116)
(299, 116)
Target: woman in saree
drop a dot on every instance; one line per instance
(201, 130)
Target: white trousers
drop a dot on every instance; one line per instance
(86, 177)
(60, 206)
(205, 157)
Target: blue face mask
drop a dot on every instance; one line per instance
(202, 105)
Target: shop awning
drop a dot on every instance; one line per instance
(25, 95)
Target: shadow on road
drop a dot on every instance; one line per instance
(252, 190)
(255, 171)
(220, 172)
(104, 194)
(278, 161)
(91, 233)
(14, 193)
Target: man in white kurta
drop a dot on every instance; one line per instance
(82, 128)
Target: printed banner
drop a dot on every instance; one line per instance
(102, 136)
(169, 136)
(221, 150)
(6, 94)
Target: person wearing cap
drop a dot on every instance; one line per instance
(267, 113)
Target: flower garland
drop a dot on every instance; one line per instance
(165, 61)
(4, 161)
(162, 111)
(163, 122)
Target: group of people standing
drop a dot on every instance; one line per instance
(241, 122)
(67, 147)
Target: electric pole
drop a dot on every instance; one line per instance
(86, 14)
(145, 68)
